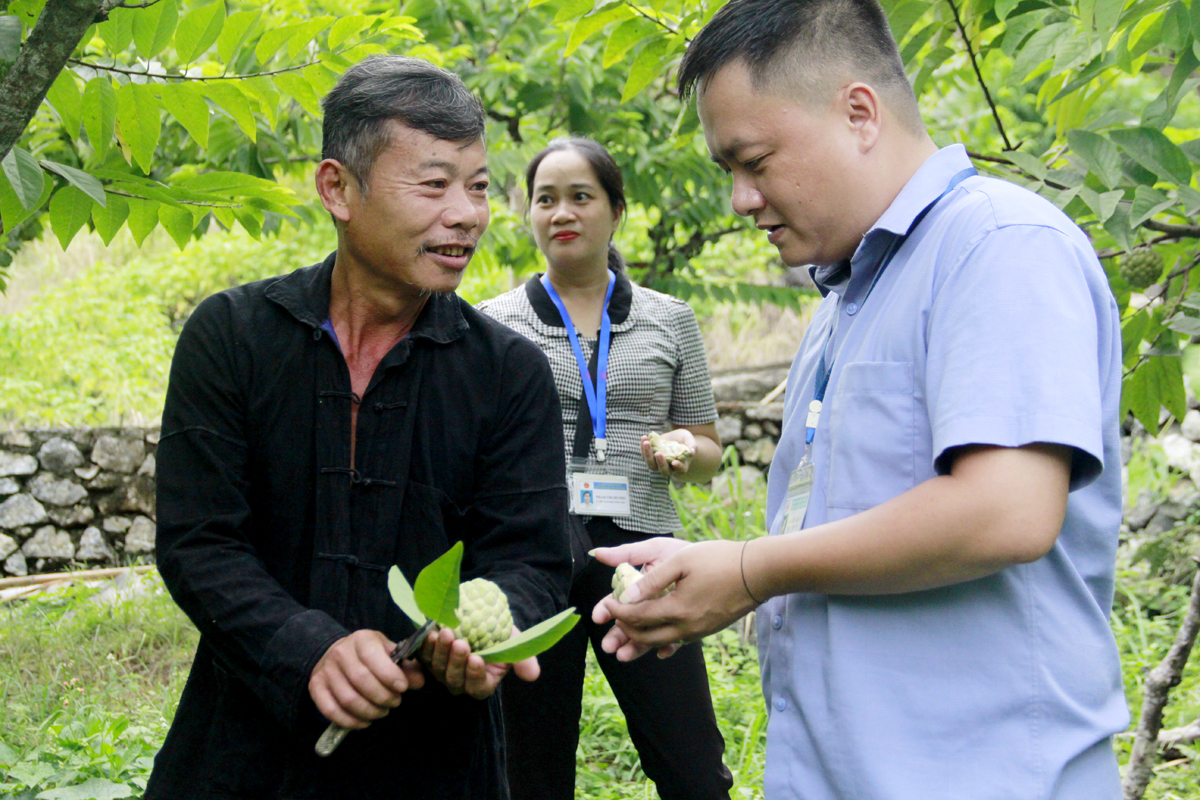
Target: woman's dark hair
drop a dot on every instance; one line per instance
(607, 172)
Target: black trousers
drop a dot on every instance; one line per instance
(666, 702)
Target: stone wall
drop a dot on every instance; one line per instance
(84, 497)
(76, 497)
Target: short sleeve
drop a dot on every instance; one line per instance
(1013, 349)
(691, 387)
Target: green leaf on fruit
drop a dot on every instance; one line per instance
(538, 639)
(402, 595)
(436, 591)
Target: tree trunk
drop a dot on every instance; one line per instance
(54, 37)
(1159, 682)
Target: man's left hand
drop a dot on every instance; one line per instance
(451, 661)
(708, 595)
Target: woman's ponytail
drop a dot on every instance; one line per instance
(615, 262)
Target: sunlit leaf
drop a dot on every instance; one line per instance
(117, 31)
(100, 114)
(402, 595)
(436, 590)
(586, 26)
(69, 210)
(646, 67)
(67, 100)
(537, 639)
(233, 34)
(79, 179)
(137, 113)
(298, 87)
(184, 102)
(625, 36)
(347, 27)
(109, 219)
(12, 211)
(199, 30)
(178, 223)
(143, 218)
(24, 175)
(232, 101)
(154, 26)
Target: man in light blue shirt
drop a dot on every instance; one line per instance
(944, 520)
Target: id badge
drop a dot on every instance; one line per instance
(800, 484)
(599, 495)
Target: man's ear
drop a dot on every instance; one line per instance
(339, 190)
(863, 113)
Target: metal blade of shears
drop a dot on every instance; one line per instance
(334, 734)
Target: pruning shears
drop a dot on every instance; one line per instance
(334, 734)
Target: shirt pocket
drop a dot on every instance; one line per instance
(872, 433)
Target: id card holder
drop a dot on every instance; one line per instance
(800, 484)
(597, 495)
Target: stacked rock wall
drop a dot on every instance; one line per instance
(72, 497)
(84, 497)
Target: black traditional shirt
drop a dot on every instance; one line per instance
(276, 547)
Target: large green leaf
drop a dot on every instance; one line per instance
(646, 67)
(586, 26)
(1100, 154)
(308, 31)
(79, 179)
(235, 32)
(1133, 333)
(625, 36)
(12, 211)
(346, 27)
(538, 639)
(184, 102)
(153, 27)
(108, 219)
(436, 591)
(67, 100)
(100, 114)
(1155, 152)
(402, 596)
(1156, 383)
(199, 30)
(298, 87)
(178, 222)
(10, 37)
(69, 210)
(137, 114)
(234, 102)
(270, 42)
(143, 218)
(1146, 203)
(117, 31)
(573, 9)
(24, 175)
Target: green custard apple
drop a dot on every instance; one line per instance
(673, 451)
(484, 618)
(1141, 268)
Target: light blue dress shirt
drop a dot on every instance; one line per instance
(993, 324)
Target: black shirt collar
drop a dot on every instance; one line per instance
(547, 312)
(305, 294)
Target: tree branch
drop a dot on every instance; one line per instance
(1175, 231)
(975, 63)
(1159, 682)
(169, 77)
(54, 37)
(514, 124)
(653, 19)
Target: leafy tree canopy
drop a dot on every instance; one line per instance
(188, 113)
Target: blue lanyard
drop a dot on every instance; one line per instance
(597, 396)
(824, 370)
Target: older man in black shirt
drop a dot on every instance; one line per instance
(323, 426)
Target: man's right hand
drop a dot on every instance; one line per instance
(356, 683)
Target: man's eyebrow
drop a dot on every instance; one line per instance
(450, 168)
(729, 152)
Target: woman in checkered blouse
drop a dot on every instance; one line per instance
(657, 381)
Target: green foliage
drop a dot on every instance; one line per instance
(436, 590)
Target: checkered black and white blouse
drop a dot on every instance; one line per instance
(657, 380)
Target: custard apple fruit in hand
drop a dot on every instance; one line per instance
(673, 451)
(484, 618)
(1141, 268)
(627, 575)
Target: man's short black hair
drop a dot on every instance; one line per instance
(805, 47)
(383, 88)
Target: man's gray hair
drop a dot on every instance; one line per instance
(383, 88)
